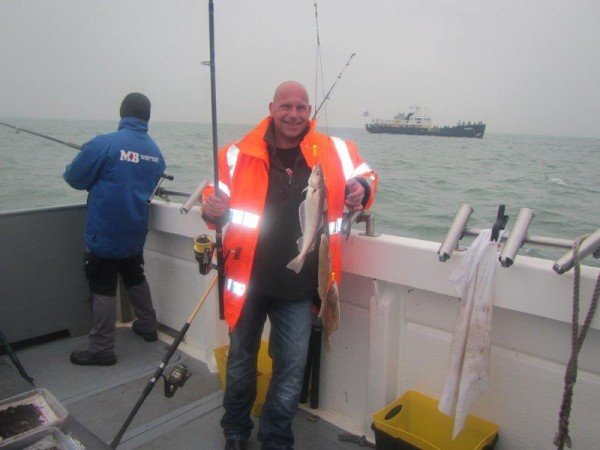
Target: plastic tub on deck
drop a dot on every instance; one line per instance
(414, 422)
(51, 412)
(42, 439)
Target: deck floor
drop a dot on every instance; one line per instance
(100, 398)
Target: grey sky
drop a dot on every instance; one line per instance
(529, 66)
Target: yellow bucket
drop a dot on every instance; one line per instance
(264, 370)
(415, 420)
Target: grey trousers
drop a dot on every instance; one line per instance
(104, 315)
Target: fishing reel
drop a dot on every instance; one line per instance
(179, 375)
(203, 252)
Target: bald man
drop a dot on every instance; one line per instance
(263, 181)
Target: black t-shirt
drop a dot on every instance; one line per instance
(280, 230)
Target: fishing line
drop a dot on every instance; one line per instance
(339, 77)
(318, 64)
(156, 190)
(68, 144)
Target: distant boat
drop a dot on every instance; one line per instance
(419, 124)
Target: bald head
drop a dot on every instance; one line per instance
(292, 87)
(290, 112)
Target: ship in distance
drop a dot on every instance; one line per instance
(419, 123)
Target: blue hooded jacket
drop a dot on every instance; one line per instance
(120, 171)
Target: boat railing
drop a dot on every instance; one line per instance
(516, 238)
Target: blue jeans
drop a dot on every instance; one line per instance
(288, 347)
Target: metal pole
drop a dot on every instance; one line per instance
(213, 101)
(516, 237)
(591, 244)
(455, 232)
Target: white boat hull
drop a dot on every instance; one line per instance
(398, 312)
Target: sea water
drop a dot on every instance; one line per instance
(422, 180)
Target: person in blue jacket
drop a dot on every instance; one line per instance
(120, 171)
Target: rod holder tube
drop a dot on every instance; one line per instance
(158, 189)
(189, 203)
(455, 232)
(162, 192)
(591, 244)
(370, 226)
(369, 221)
(516, 237)
(154, 192)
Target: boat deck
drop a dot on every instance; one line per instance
(99, 399)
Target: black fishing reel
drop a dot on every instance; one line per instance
(179, 375)
(203, 251)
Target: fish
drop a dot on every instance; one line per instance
(311, 213)
(329, 312)
(324, 271)
(349, 218)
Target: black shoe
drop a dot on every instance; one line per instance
(148, 337)
(236, 444)
(85, 358)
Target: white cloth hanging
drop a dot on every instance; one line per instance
(467, 376)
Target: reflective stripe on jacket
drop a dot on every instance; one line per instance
(244, 177)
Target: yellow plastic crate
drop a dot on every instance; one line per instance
(414, 419)
(264, 370)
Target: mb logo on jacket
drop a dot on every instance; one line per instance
(128, 155)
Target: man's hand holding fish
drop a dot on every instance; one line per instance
(355, 194)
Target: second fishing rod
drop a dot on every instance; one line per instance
(203, 249)
(156, 190)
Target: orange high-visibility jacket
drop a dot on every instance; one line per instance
(244, 177)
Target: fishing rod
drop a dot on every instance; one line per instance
(339, 77)
(69, 144)
(176, 379)
(156, 190)
(311, 384)
(213, 101)
(11, 354)
(202, 247)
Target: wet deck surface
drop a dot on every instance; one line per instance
(100, 398)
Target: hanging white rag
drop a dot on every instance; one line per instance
(469, 363)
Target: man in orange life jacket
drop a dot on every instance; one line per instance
(262, 179)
